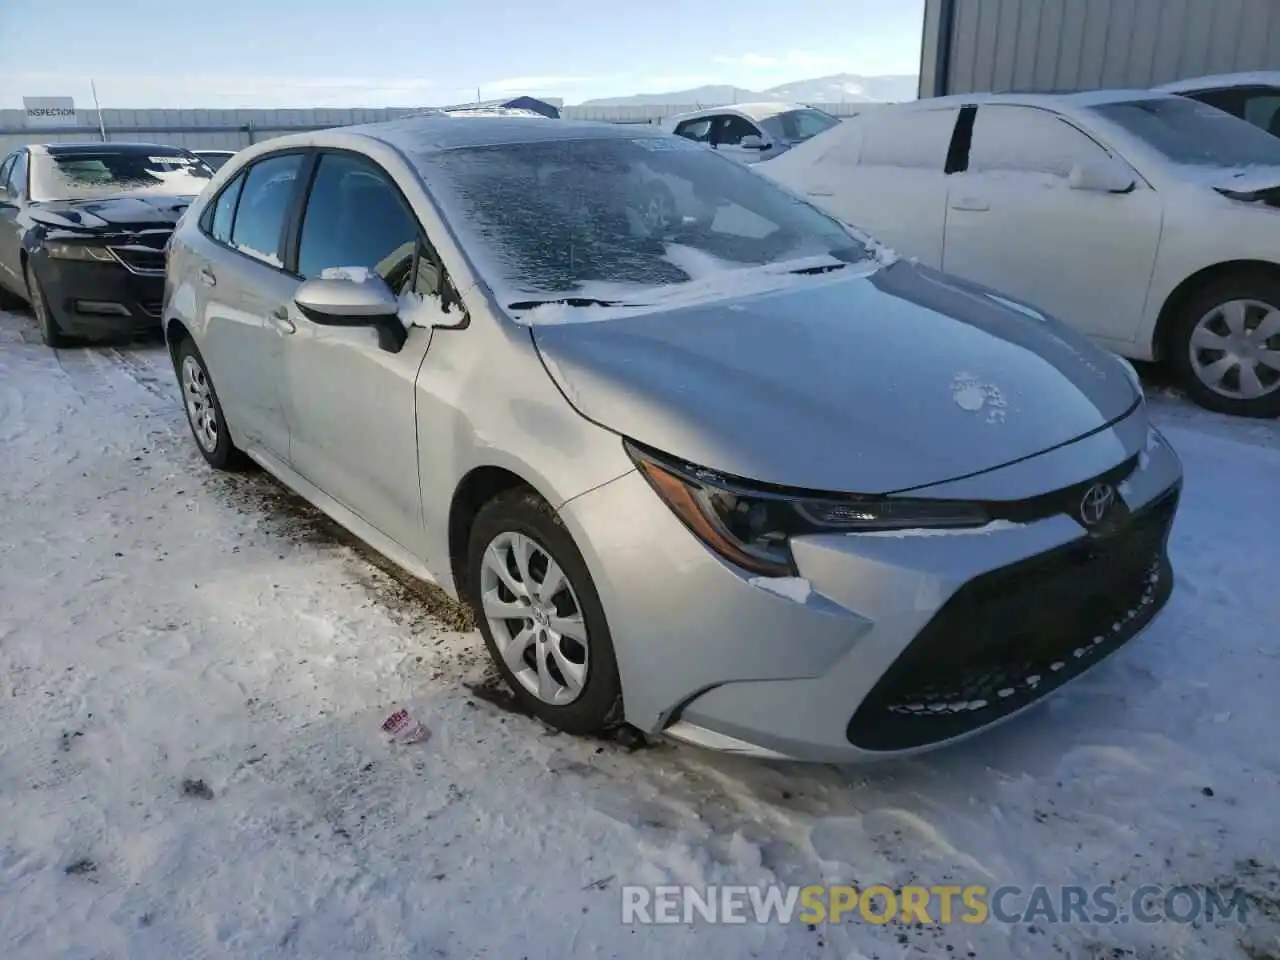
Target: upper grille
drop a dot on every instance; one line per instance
(139, 258)
(1009, 637)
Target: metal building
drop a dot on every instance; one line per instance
(972, 46)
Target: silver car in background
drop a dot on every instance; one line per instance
(752, 132)
(720, 468)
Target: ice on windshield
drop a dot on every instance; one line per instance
(81, 176)
(550, 220)
(1189, 133)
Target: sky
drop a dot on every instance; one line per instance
(337, 53)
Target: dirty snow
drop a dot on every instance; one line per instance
(789, 588)
(354, 274)
(193, 676)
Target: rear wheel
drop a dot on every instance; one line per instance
(204, 412)
(540, 615)
(50, 333)
(1225, 346)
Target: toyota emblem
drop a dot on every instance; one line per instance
(1096, 504)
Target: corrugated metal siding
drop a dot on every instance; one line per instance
(1041, 45)
(199, 129)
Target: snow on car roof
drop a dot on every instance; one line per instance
(424, 134)
(1220, 81)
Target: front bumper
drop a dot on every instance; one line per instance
(100, 299)
(904, 643)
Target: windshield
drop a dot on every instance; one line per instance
(1191, 133)
(613, 217)
(109, 173)
(795, 126)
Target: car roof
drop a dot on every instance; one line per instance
(229, 153)
(762, 110)
(434, 133)
(1220, 81)
(71, 149)
(1070, 100)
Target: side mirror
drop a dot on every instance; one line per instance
(1102, 176)
(350, 303)
(753, 142)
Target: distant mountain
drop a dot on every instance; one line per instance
(838, 88)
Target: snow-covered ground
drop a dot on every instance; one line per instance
(193, 672)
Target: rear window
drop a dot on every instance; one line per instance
(106, 173)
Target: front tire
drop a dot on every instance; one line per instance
(540, 615)
(51, 334)
(204, 411)
(1225, 346)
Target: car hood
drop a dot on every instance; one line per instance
(877, 383)
(112, 214)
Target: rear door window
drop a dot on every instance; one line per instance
(699, 130)
(731, 130)
(224, 210)
(1028, 140)
(914, 138)
(264, 206)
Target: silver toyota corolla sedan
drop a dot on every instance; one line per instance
(704, 460)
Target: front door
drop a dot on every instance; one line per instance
(349, 403)
(1015, 224)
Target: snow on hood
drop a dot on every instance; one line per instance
(126, 211)
(868, 383)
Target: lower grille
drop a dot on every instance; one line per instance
(1009, 637)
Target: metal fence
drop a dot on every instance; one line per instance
(235, 129)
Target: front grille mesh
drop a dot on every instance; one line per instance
(1011, 636)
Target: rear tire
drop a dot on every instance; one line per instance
(51, 334)
(204, 411)
(1219, 339)
(553, 649)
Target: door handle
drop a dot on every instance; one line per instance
(976, 204)
(207, 277)
(281, 321)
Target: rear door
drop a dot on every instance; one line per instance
(1014, 223)
(887, 174)
(245, 294)
(349, 403)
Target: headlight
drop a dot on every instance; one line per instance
(79, 251)
(751, 525)
(1132, 371)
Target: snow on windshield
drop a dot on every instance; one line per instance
(80, 176)
(1190, 133)
(552, 220)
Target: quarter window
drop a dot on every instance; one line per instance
(915, 138)
(1028, 140)
(356, 219)
(224, 210)
(263, 207)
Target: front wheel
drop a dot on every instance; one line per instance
(540, 615)
(204, 412)
(1225, 346)
(50, 333)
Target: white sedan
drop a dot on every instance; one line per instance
(1149, 221)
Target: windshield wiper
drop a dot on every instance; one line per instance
(567, 301)
(820, 268)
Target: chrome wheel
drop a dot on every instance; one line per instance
(200, 409)
(1235, 349)
(535, 618)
